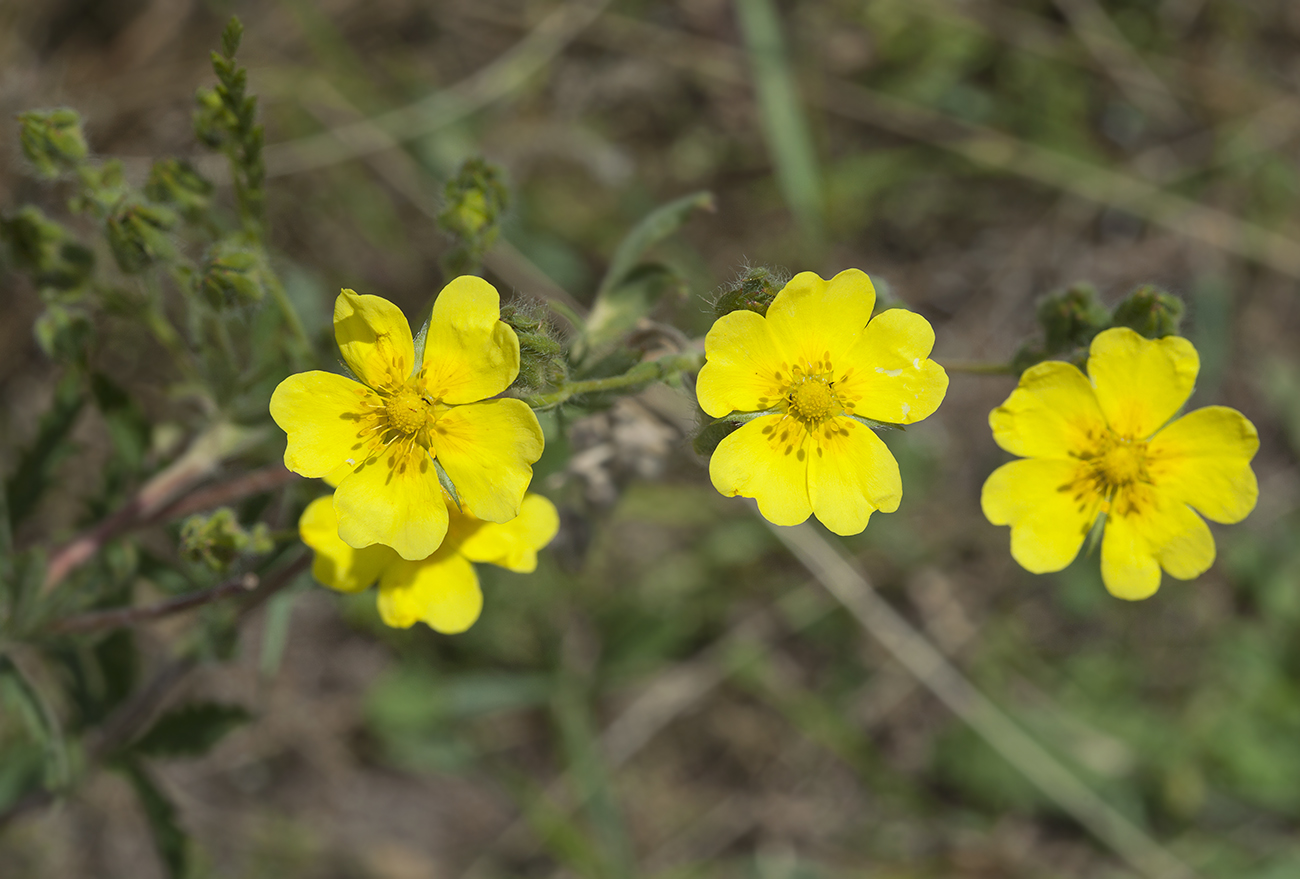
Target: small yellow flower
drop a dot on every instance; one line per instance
(813, 366)
(380, 436)
(1104, 446)
(441, 590)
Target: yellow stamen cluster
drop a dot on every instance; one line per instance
(1112, 475)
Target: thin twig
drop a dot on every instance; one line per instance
(120, 617)
(933, 669)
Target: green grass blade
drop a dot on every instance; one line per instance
(784, 124)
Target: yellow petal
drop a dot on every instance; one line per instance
(375, 339)
(1048, 525)
(336, 564)
(742, 372)
(1128, 567)
(487, 449)
(514, 544)
(1051, 413)
(321, 413)
(851, 474)
(1163, 534)
(441, 591)
(892, 377)
(1203, 459)
(469, 354)
(812, 319)
(1141, 383)
(393, 499)
(766, 459)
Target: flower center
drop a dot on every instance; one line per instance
(1122, 462)
(811, 400)
(407, 411)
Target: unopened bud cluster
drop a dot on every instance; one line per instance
(1070, 318)
(753, 291)
(475, 200)
(218, 540)
(541, 354)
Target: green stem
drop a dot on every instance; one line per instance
(281, 298)
(642, 373)
(976, 367)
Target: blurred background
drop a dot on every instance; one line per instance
(671, 694)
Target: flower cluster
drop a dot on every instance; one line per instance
(1104, 445)
(417, 440)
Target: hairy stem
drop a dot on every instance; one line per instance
(642, 373)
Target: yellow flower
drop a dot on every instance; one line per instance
(1103, 446)
(813, 366)
(381, 435)
(441, 590)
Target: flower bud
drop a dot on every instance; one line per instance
(52, 140)
(137, 234)
(217, 540)
(541, 355)
(232, 275)
(475, 201)
(63, 331)
(177, 182)
(46, 250)
(1150, 311)
(1071, 317)
(752, 291)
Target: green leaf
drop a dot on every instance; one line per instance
(40, 719)
(35, 468)
(191, 730)
(635, 296)
(658, 225)
(445, 481)
(168, 838)
(784, 125)
(99, 677)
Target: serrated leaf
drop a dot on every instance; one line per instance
(40, 720)
(171, 842)
(35, 468)
(191, 730)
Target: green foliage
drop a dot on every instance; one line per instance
(226, 120)
(190, 731)
(36, 467)
(169, 839)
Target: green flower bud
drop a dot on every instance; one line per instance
(212, 121)
(541, 355)
(177, 182)
(46, 250)
(52, 140)
(63, 331)
(137, 234)
(1150, 311)
(752, 291)
(475, 201)
(217, 540)
(1071, 317)
(232, 275)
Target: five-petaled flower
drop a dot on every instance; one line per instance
(813, 367)
(1104, 447)
(386, 435)
(441, 590)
